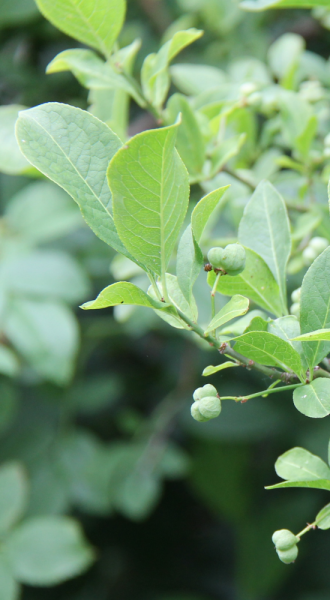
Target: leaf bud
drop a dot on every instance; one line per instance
(214, 256)
(318, 244)
(295, 309)
(209, 407)
(295, 296)
(196, 414)
(309, 255)
(233, 259)
(284, 539)
(203, 392)
(288, 556)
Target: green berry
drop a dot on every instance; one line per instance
(295, 309)
(209, 407)
(318, 244)
(295, 296)
(214, 256)
(203, 392)
(233, 259)
(288, 556)
(196, 414)
(284, 539)
(309, 255)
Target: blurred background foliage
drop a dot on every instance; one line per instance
(95, 406)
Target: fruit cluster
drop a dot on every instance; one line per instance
(230, 260)
(286, 545)
(207, 405)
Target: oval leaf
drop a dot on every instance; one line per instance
(96, 23)
(298, 464)
(150, 188)
(313, 400)
(237, 306)
(211, 369)
(323, 518)
(268, 349)
(122, 293)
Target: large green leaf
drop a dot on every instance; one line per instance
(237, 306)
(190, 142)
(73, 148)
(96, 23)
(154, 75)
(287, 328)
(268, 349)
(298, 464)
(265, 229)
(149, 183)
(122, 293)
(315, 306)
(313, 400)
(256, 282)
(13, 495)
(93, 73)
(264, 4)
(48, 550)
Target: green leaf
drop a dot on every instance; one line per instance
(319, 484)
(323, 518)
(154, 75)
(42, 212)
(177, 298)
(12, 161)
(95, 23)
(122, 293)
(225, 151)
(256, 282)
(225, 365)
(257, 324)
(149, 183)
(48, 550)
(298, 464)
(319, 335)
(9, 364)
(265, 229)
(190, 142)
(10, 589)
(46, 334)
(283, 56)
(264, 4)
(48, 137)
(93, 73)
(204, 209)
(239, 326)
(315, 306)
(189, 262)
(287, 328)
(13, 495)
(192, 80)
(237, 306)
(268, 349)
(313, 400)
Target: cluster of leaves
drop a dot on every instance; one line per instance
(231, 127)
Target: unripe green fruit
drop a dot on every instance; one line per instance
(203, 392)
(288, 556)
(233, 259)
(309, 255)
(284, 539)
(295, 309)
(318, 244)
(295, 296)
(214, 256)
(196, 414)
(209, 407)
